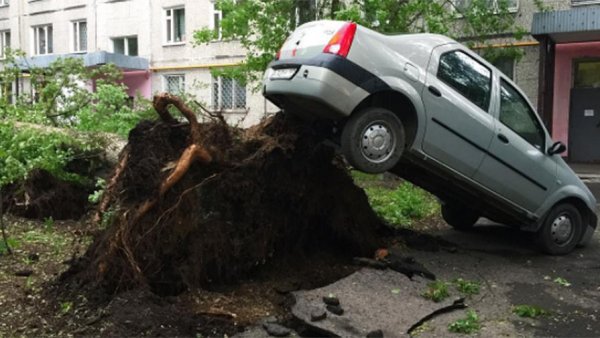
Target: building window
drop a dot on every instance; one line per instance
(228, 94)
(216, 22)
(127, 45)
(42, 40)
(511, 5)
(175, 25)
(587, 73)
(580, 2)
(4, 43)
(79, 36)
(506, 65)
(4, 3)
(174, 83)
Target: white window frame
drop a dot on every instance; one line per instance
(4, 3)
(75, 34)
(126, 50)
(218, 106)
(169, 19)
(513, 9)
(35, 38)
(215, 12)
(3, 44)
(166, 82)
(584, 2)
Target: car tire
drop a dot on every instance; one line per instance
(458, 217)
(561, 230)
(373, 140)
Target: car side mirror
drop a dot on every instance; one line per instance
(557, 148)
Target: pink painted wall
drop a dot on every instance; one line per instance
(138, 81)
(563, 73)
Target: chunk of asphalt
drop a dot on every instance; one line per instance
(369, 293)
(408, 266)
(276, 330)
(317, 315)
(330, 300)
(375, 334)
(335, 309)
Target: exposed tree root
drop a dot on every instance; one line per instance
(199, 203)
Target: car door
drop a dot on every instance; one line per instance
(517, 167)
(457, 96)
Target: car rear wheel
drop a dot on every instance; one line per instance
(561, 231)
(458, 217)
(373, 140)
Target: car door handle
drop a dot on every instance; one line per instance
(434, 91)
(503, 138)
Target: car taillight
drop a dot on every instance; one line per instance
(278, 54)
(341, 42)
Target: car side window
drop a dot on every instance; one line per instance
(517, 115)
(467, 76)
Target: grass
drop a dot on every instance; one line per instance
(53, 240)
(12, 243)
(529, 311)
(467, 325)
(466, 287)
(397, 202)
(436, 291)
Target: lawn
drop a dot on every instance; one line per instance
(398, 202)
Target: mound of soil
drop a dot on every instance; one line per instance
(41, 195)
(191, 205)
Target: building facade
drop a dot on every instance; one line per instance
(151, 40)
(560, 70)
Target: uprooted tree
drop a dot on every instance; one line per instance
(194, 203)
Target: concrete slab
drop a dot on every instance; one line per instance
(372, 300)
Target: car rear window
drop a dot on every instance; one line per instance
(466, 75)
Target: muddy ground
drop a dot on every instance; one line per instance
(509, 271)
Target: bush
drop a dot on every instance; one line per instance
(111, 111)
(23, 149)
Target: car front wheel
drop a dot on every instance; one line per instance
(561, 231)
(373, 140)
(459, 218)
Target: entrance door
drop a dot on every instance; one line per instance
(584, 117)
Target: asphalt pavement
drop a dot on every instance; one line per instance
(505, 264)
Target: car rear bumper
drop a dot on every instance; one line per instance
(326, 86)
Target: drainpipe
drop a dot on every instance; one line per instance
(547, 53)
(95, 9)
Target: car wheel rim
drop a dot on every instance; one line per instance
(561, 229)
(378, 142)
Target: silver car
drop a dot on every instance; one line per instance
(432, 111)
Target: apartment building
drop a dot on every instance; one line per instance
(150, 40)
